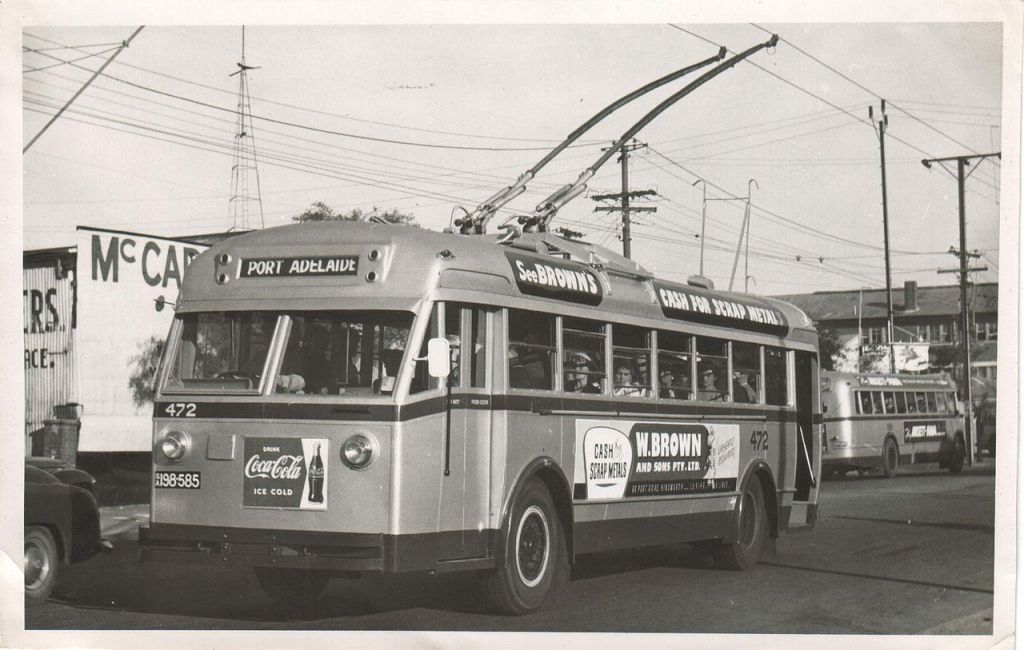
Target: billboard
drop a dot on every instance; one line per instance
(127, 286)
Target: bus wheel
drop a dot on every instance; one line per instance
(890, 458)
(41, 563)
(535, 561)
(956, 461)
(752, 532)
(291, 587)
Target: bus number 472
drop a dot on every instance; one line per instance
(181, 410)
(759, 440)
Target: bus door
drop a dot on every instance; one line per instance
(465, 485)
(808, 461)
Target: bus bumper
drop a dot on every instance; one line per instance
(297, 549)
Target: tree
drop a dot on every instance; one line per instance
(320, 211)
(143, 370)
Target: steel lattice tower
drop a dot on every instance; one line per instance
(244, 159)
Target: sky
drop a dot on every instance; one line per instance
(429, 117)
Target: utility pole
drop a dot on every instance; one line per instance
(880, 132)
(965, 386)
(625, 195)
(703, 218)
(744, 234)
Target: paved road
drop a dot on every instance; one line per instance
(902, 556)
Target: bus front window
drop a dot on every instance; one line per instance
(222, 351)
(343, 352)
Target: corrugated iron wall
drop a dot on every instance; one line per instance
(48, 301)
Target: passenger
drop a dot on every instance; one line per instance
(577, 375)
(742, 391)
(319, 378)
(708, 388)
(666, 380)
(624, 384)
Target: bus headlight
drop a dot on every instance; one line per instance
(175, 445)
(358, 451)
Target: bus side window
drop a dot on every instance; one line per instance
(932, 406)
(922, 402)
(531, 350)
(631, 350)
(712, 369)
(890, 402)
(864, 402)
(453, 332)
(901, 402)
(675, 365)
(911, 403)
(940, 402)
(776, 379)
(876, 402)
(746, 372)
(478, 348)
(583, 355)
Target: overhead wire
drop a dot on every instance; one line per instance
(311, 110)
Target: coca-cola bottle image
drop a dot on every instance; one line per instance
(316, 477)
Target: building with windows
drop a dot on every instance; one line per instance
(926, 324)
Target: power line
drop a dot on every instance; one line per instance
(311, 110)
(305, 126)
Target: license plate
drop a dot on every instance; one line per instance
(184, 480)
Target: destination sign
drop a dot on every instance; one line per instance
(903, 382)
(280, 267)
(555, 279)
(682, 303)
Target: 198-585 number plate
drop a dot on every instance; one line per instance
(186, 480)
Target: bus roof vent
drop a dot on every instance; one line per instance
(700, 281)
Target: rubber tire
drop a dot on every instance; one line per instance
(751, 533)
(41, 563)
(292, 587)
(956, 458)
(533, 535)
(890, 458)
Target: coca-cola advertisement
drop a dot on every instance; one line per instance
(285, 473)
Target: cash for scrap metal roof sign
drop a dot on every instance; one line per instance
(683, 303)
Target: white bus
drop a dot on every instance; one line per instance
(300, 430)
(886, 421)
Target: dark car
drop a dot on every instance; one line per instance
(62, 526)
(66, 473)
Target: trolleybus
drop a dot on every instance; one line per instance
(303, 425)
(886, 421)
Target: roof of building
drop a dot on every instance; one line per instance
(931, 301)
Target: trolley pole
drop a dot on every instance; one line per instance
(882, 124)
(965, 385)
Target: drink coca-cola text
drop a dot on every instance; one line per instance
(282, 467)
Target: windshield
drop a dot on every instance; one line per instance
(323, 353)
(343, 352)
(221, 351)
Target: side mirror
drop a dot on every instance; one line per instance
(439, 360)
